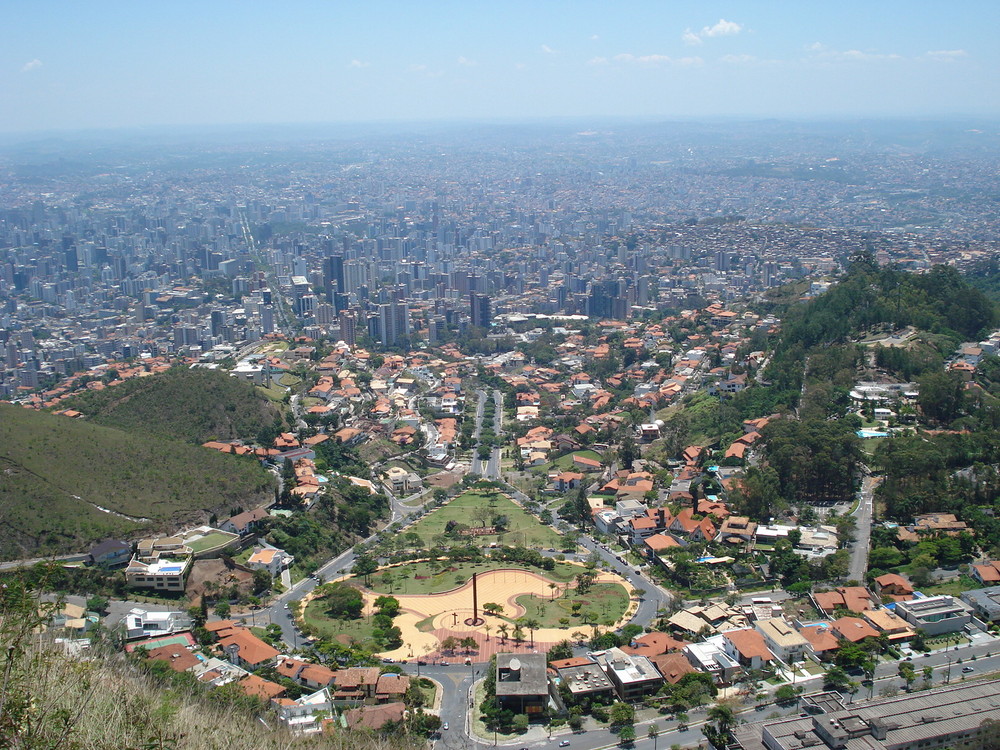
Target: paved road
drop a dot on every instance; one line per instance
(862, 541)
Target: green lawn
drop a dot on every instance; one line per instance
(341, 631)
(215, 539)
(607, 601)
(565, 463)
(445, 576)
(471, 509)
(953, 588)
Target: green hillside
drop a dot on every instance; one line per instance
(184, 404)
(55, 471)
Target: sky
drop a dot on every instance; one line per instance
(104, 64)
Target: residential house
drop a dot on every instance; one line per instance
(141, 623)
(709, 656)
(786, 643)
(391, 687)
(244, 523)
(888, 623)
(653, 644)
(566, 481)
(672, 667)
(178, 658)
(853, 629)
(822, 642)
(306, 714)
(737, 530)
(893, 586)
(258, 687)
(987, 573)
(401, 481)
(985, 603)
(852, 598)
(271, 559)
(747, 648)
(110, 553)
(246, 650)
(306, 673)
(375, 717)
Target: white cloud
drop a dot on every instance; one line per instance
(816, 47)
(689, 37)
(737, 59)
(594, 37)
(597, 61)
(520, 66)
(467, 62)
(415, 68)
(548, 50)
(627, 58)
(31, 65)
(357, 64)
(722, 28)
(824, 54)
(947, 55)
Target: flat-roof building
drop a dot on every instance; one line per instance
(521, 683)
(935, 614)
(946, 716)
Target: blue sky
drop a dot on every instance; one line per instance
(68, 65)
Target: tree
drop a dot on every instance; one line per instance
(786, 695)
(365, 565)
(469, 644)
(721, 720)
(532, 624)
(835, 678)
(653, 733)
(627, 735)
(261, 581)
(450, 643)
(492, 608)
(908, 673)
(222, 608)
(627, 451)
(502, 629)
(622, 714)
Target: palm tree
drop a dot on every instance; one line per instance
(552, 588)
(654, 732)
(502, 629)
(532, 624)
(518, 633)
(486, 627)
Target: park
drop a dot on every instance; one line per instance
(507, 599)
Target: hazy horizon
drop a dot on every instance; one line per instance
(117, 65)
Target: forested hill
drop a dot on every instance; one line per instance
(66, 483)
(815, 457)
(871, 299)
(193, 405)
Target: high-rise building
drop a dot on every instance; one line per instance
(348, 329)
(481, 310)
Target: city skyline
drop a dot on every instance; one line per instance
(114, 65)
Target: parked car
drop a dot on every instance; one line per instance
(445, 726)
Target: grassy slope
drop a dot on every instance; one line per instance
(52, 469)
(183, 404)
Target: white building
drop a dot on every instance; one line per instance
(141, 623)
(271, 559)
(305, 715)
